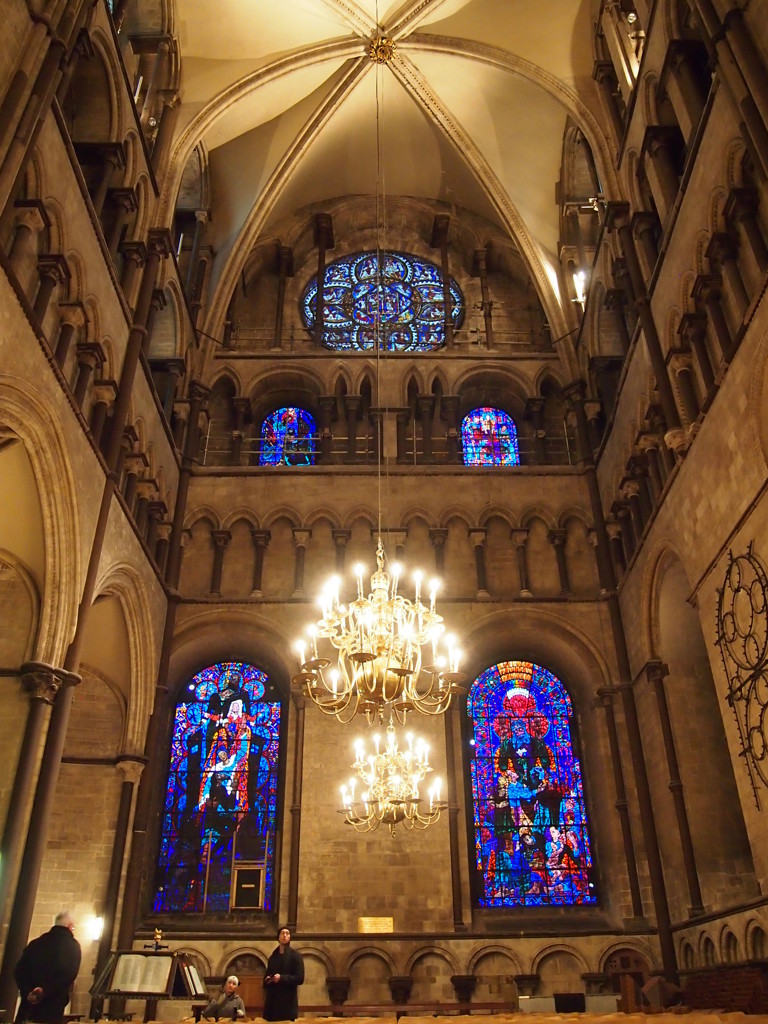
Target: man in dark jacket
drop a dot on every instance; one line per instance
(46, 972)
(285, 972)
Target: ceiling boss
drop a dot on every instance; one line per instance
(381, 49)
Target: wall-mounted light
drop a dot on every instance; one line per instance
(94, 927)
(580, 287)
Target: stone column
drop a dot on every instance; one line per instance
(72, 318)
(54, 272)
(176, 369)
(558, 538)
(201, 219)
(454, 784)
(41, 683)
(681, 365)
(644, 228)
(438, 539)
(327, 407)
(660, 168)
(300, 540)
(324, 241)
(221, 539)
(164, 136)
(707, 292)
(693, 334)
(638, 469)
(425, 407)
(89, 356)
(34, 848)
(722, 253)
(605, 76)
(683, 85)
(649, 445)
(156, 512)
(620, 47)
(112, 159)
(402, 419)
(534, 411)
(352, 406)
(615, 302)
(156, 75)
(628, 538)
(340, 540)
(520, 540)
(157, 303)
(299, 702)
(655, 672)
(440, 228)
(162, 546)
(630, 490)
(605, 701)
(134, 257)
(31, 218)
(104, 393)
(146, 491)
(481, 270)
(449, 411)
(135, 464)
(284, 271)
(125, 203)
(613, 526)
(741, 211)
(477, 538)
(130, 767)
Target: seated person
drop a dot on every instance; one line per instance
(228, 1005)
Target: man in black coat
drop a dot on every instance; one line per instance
(46, 972)
(285, 972)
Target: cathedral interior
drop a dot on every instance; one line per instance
(471, 289)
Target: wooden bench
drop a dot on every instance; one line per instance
(743, 989)
(404, 1009)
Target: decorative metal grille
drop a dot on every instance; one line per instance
(742, 636)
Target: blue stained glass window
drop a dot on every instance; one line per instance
(404, 292)
(288, 437)
(530, 825)
(489, 438)
(221, 796)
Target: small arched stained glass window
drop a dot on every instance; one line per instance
(220, 809)
(532, 844)
(288, 438)
(489, 438)
(403, 293)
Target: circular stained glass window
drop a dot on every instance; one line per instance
(403, 293)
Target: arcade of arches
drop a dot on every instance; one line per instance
(500, 298)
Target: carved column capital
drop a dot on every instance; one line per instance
(130, 767)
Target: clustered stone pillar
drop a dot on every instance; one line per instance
(520, 540)
(656, 672)
(324, 241)
(261, 539)
(221, 539)
(300, 541)
(558, 538)
(477, 538)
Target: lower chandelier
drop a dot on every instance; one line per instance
(391, 779)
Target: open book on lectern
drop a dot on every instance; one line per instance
(135, 972)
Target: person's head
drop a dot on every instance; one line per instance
(65, 920)
(283, 935)
(231, 984)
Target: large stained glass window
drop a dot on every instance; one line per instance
(288, 438)
(221, 798)
(405, 293)
(530, 825)
(489, 438)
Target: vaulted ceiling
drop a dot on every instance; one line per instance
(471, 111)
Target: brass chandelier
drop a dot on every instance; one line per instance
(380, 653)
(391, 779)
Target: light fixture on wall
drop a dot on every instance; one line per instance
(390, 779)
(387, 653)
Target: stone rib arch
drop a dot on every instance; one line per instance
(494, 948)
(241, 514)
(370, 950)
(31, 420)
(202, 512)
(433, 950)
(559, 947)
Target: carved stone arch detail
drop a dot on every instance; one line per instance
(660, 559)
(538, 512)
(104, 50)
(240, 514)
(122, 581)
(755, 940)
(418, 512)
(498, 512)
(715, 218)
(225, 962)
(725, 946)
(491, 948)
(30, 418)
(573, 512)
(431, 950)
(708, 949)
(630, 187)
(142, 220)
(321, 512)
(637, 946)
(210, 515)
(649, 85)
(318, 953)
(90, 671)
(199, 959)
(370, 950)
(12, 566)
(734, 164)
(457, 512)
(287, 512)
(687, 279)
(559, 947)
(672, 322)
(229, 373)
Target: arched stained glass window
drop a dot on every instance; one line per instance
(530, 825)
(489, 438)
(406, 292)
(288, 437)
(221, 798)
